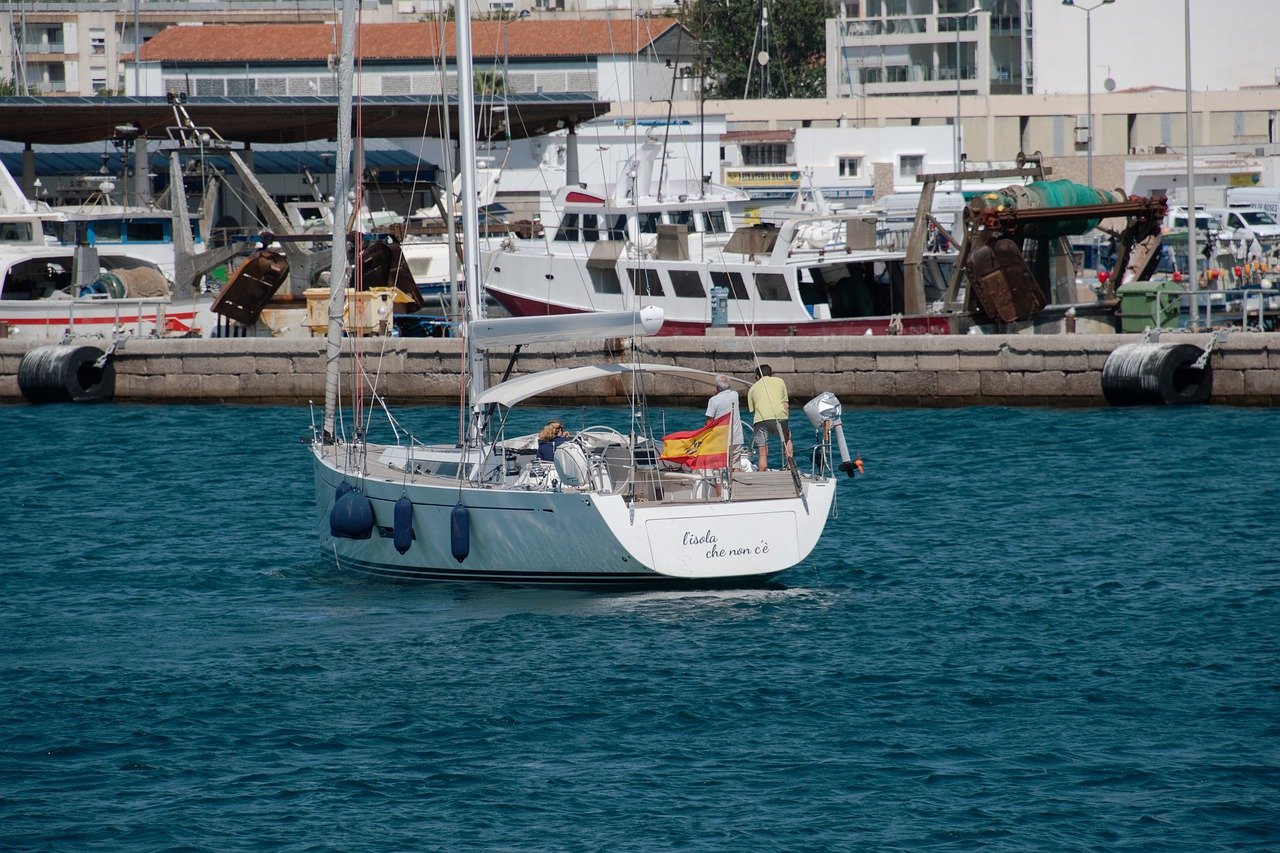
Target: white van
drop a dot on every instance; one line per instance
(1247, 224)
(1176, 218)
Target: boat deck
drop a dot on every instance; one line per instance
(646, 485)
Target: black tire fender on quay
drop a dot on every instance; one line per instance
(1156, 374)
(66, 374)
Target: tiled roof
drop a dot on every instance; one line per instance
(226, 43)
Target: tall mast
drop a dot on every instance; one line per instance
(467, 176)
(341, 213)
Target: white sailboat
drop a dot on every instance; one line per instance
(604, 513)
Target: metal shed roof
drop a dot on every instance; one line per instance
(261, 119)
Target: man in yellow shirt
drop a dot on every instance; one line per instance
(769, 401)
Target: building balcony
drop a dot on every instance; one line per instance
(43, 48)
(40, 59)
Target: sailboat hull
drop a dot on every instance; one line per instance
(574, 538)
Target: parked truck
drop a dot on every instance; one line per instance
(1265, 198)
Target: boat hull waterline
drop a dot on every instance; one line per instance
(518, 537)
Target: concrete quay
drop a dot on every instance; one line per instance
(931, 371)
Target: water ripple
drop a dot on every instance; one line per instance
(1025, 630)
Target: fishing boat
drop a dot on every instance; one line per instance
(605, 511)
(650, 241)
(50, 289)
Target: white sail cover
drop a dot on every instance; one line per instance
(515, 390)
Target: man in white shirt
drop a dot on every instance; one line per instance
(724, 402)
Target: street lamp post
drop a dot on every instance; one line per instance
(960, 19)
(1088, 76)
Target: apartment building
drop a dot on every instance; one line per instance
(929, 47)
(1012, 47)
(77, 47)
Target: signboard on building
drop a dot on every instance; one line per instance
(1244, 179)
(760, 179)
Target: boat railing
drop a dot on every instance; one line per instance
(141, 313)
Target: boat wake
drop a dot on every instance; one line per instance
(705, 599)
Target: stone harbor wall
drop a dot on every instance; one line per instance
(962, 370)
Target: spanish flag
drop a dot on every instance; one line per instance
(701, 449)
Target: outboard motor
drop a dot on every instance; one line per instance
(826, 408)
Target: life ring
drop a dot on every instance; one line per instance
(1156, 374)
(66, 374)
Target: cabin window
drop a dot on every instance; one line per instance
(810, 286)
(849, 167)
(772, 287)
(106, 231)
(857, 289)
(15, 232)
(733, 281)
(682, 217)
(568, 232)
(144, 231)
(687, 284)
(645, 282)
(35, 279)
(590, 227)
(937, 279)
(618, 228)
(715, 222)
(605, 280)
(649, 222)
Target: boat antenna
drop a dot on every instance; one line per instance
(338, 258)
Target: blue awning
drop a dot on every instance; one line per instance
(71, 160)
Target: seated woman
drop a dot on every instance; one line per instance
(550, 437)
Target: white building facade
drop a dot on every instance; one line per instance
(929, 47)
(1009, 47)
(850, 165)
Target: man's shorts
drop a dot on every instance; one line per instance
(764, 429)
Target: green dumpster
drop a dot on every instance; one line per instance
(1149, 304)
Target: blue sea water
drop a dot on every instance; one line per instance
(1026, 630)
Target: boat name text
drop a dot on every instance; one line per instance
(716, 550)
